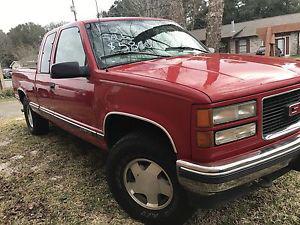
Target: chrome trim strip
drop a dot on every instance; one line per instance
(287, 130)
(264, 155)
(17, 97)
(69, 121)
(144, 119)
(102, 132)
(34, 105)
(20, 89)
(211, 188)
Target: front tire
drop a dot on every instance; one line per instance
(36, 124)
(141, 174)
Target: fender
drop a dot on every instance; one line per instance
(143, 119)
(18, 95)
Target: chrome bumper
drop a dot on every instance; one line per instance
(213, 178)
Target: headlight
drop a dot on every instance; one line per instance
(234, 112)
(234, 134)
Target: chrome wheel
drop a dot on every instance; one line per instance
(29, 115)
(148, 184)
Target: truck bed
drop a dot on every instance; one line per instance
(23, 78)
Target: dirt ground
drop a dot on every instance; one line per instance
(10, 109)
(59, 179)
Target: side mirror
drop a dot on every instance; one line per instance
(212, 50)
(68, 70)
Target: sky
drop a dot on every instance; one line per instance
(14, 12)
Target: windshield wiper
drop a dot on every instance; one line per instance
(185, 48)
(134, 53)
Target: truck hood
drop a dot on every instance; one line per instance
(220, 76)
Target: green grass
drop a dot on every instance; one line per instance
(59, 179)
(295, 56)
(7, 93)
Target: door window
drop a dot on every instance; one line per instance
(46, 54)
(70, 47)
(281, 44)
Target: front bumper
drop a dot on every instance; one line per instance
(207, 179)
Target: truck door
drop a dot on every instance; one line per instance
(42, 80)
(72, 97)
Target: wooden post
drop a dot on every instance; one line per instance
(267, 34)
(1, 79)
(270, 42)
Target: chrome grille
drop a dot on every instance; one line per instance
(276, 111)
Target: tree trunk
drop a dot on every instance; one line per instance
(214, 24)
(1, 80)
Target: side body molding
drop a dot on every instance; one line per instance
(143, 119)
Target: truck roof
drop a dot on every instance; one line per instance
(106, 19)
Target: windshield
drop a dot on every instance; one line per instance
(122, 42)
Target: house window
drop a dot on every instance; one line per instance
(242, 46)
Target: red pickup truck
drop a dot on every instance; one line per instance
(174, 118)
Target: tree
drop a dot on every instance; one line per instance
(22, 42)
(214, 24)
(53, 25)
(125, 8)
(26, 34)
(169, 9)
(244, 10)
(195, 13)
(6, 57)
(25, 40)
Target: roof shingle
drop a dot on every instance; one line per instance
(248, 28)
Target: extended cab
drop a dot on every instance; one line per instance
(172, 116)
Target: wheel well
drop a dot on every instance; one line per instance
(21, 96)
(117, 126)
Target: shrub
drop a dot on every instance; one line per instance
(7, 93)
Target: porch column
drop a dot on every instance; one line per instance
(270, 42)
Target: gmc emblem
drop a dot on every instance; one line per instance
(294, 109)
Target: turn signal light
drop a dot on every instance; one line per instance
(204, 118)
(205, 139)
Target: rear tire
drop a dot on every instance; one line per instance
(36, 124)
(139, 167)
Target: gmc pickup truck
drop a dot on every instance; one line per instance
(173, 117)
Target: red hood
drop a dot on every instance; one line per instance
(220, 76)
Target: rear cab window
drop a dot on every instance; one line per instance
(46, 54)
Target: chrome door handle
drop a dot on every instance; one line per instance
(52, 86)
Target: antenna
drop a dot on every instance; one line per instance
(100, 30)
(74, 10)
(97, 8)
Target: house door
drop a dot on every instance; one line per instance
(280, 43)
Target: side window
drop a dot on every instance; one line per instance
(45, 61)
(69, 48)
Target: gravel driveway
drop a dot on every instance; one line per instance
(10, 109)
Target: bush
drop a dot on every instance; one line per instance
(295, 56)
(7, 93)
